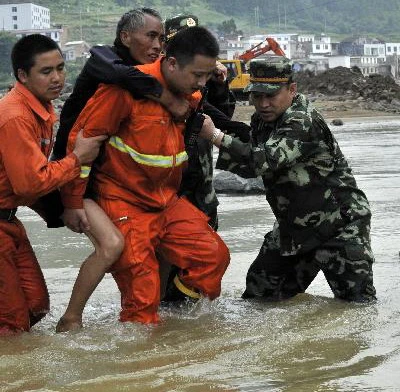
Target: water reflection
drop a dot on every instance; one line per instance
(309, 343)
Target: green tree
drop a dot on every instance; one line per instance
(228, 27)
(7, 41)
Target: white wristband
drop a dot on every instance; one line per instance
(215, 135)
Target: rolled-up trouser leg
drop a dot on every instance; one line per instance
(24, 299)
(191, 244)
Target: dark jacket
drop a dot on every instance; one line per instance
(112, 65)
(106, 65)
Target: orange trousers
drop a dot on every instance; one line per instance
(24, 299)
(180, 234)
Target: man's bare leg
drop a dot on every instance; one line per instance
(108, 243)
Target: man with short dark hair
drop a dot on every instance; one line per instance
(322, 217)
(147, 143)
(138, 40)
(26, 132)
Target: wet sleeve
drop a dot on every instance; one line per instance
(102, 116)
(27, 168)
(223, 122)
(290, 144)
(107, 67)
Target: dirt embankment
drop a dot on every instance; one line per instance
(342, 92)
(349, 90)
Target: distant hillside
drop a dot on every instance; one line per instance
(94, 20)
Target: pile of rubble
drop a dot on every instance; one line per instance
(374, 92)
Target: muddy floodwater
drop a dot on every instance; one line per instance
(309, 343)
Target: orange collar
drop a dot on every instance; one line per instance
(154, 69)
(45, 112)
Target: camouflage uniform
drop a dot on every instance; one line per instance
(322, 218)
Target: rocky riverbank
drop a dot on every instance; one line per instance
(344, 93)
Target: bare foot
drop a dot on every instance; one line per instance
(66, 325)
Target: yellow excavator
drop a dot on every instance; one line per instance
(238, 75)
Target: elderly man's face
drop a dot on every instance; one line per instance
(145, 44)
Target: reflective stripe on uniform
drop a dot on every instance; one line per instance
(149, 160)
(85, 171)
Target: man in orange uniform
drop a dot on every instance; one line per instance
(137, 179)
(26, 132)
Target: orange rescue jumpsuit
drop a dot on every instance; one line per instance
(26, 133)
(136, 182)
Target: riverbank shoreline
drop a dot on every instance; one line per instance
(330, 110)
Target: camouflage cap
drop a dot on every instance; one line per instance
(179, 22)
(269, 75)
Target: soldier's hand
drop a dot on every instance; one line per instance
(210, 132)
(87, 148)
(76, 220)
(177, 106)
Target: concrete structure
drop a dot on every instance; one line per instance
(317, 53)
(370, 64)
(322, 45)
(231, 49)
(23, 16)
(75, 49)
(54, 33)
(287, 41)
(376, 50)
(392, 48)
(306, 38)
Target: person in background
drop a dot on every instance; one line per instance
(322, 217)
(145, 142)
(26, 129)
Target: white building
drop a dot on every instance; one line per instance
(322, 45)
(392, 48)
(232, 49)
(339, 61)
(75, 49)
(24, 16)
(55, 33)
(375, 50)
(287, 41)
(367, 64)
(302, 38)
(370, 64)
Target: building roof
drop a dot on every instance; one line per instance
(70, 43)
(9, 2)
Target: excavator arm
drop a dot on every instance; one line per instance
(263, 47)
(238, 76)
